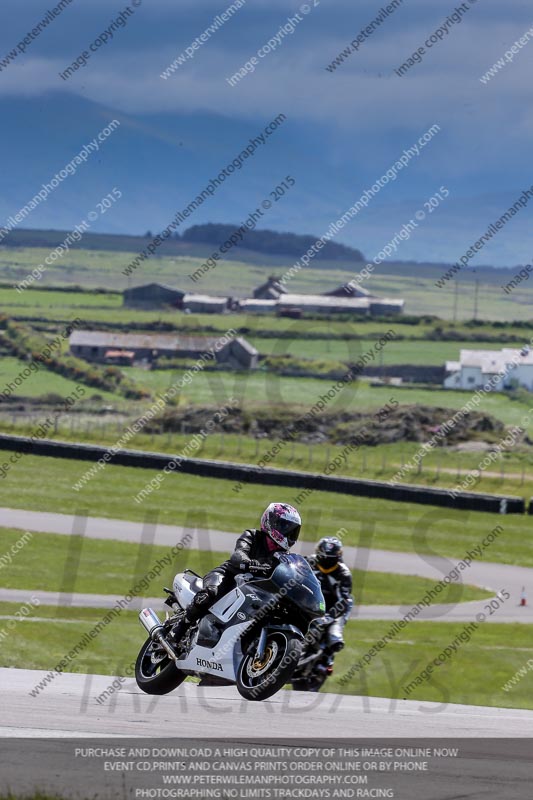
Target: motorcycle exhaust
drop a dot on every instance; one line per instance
(149, 620)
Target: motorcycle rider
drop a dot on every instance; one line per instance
(336, 583)
(256, 552)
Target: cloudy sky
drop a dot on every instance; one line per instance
(344, 127)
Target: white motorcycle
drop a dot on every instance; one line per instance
(251, 637)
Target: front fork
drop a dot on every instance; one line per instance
(263, 637)
(261, 645)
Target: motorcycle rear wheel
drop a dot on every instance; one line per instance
(159, 677)
(309, 685)
(260, 680)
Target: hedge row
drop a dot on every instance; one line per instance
(24, 343)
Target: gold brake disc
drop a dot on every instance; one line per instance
(259, 666)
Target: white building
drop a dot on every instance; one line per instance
(325, 304)
(204, 304)
(258, 306)
(509, 368)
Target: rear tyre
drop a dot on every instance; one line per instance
(155, 672)
(258, 680)
(312, 684)
(299, 686)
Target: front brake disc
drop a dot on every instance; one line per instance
(254, 668)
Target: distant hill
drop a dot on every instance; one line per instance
(91, 241)
(271, 242)
(200, 241)
(267, 242)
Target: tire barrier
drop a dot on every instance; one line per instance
(246, 473)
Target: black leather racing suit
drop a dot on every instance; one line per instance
(250, 554)
(337, 590)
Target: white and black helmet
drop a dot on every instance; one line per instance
(282, 523)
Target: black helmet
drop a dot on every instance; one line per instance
(328, 553)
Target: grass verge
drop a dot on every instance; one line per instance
(41, 483)
(475, 675)
(49, 562)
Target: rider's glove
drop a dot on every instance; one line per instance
(259, 568)
(321, 623)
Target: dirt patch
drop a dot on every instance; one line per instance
(409, 423)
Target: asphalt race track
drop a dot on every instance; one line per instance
(67, 707)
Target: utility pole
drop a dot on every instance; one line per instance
(476, 290)
(455, 300)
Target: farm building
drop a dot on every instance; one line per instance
(272, 289)
(258, 306)
(382, 306)
(120, 358)
(325, 305)
(332, 303)
(241, 354)
(111, 348)
(345, 299)
(504, 369)
(271, 297)
(347, 290)
(205, 304)
(153, 295)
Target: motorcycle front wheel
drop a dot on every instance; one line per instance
(260, 679)
(155, 672)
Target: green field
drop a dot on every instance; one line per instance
(265, 389)
(91, 268)
(43, 302)
(40, 645)
(42, 382)
(108, 567)
(56, 306)
(268, 390)
(45, 484)
(416, 283)
(474, 676)
(412, 352)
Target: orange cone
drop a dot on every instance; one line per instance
(523, 599)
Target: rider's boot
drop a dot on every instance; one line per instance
(194, 611)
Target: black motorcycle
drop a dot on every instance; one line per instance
(315, 664)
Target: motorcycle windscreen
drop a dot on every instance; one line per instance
(294, 575)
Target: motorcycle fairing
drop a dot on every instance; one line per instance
(218, 641)
(228, 605)
(220, 660)
(185, 589)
